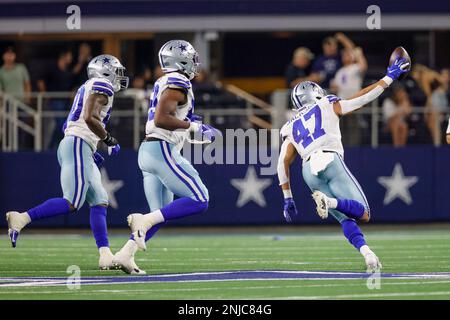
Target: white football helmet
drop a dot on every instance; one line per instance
(108, 67)
(179, 55)
(306, 94)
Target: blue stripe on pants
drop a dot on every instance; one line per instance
(192, 185)
(187, 174)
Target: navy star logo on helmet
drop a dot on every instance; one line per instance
(182, 47)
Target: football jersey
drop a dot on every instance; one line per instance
(75, 124)
(172, 80)
(315, 128)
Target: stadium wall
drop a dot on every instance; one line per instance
(402, 185)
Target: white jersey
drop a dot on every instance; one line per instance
(173, 80)
(75, 125)
(316, 128)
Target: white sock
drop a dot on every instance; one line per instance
(130, 247)
(104, 250)
(26, 218)
(365, 250)
(154, 218)
(332, 203)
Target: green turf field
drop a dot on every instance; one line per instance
(401, 250)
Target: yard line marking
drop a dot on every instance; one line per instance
(358, 296)
(248, 275)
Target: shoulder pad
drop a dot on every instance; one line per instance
(102, 86)
(332, 98)
(177, 80)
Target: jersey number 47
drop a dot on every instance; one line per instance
(301, 134)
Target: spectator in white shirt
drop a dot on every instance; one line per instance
(348, 79)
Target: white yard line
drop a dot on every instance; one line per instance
(360, 296)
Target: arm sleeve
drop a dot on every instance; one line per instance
(281, 168)
(448, 127)
(348, 106)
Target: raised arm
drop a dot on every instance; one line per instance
(287, 156)
(344, 40)
(360, 59)
(373, 91)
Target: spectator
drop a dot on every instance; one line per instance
(395, 113)
(439, 95)
(59, 78)
(300, 67)
(348, 79)
(14, 77)
(329, 62)
(148, 78)
(138, 91)
(430, 80)
(157, 73)
(80, 68)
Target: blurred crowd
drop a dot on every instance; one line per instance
(67, 72)
(340, 69)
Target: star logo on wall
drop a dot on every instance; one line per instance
(111, 187)
(398, 185)
(251, 188)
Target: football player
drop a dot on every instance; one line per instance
(314, 134)
(165, 171)
(77, 156)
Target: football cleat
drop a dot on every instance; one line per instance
(322, 204)
(16, 221)
(138, 229)
(125, 262)
(105, 262)
(13, 235)
(373, 264)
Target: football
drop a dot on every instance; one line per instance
(400, 52)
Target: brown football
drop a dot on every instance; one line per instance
(400, 52)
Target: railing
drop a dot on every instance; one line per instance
(33, 123)
(37, 118)
(12, 111)
(250, 102)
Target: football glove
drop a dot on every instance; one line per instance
(110, 141)
(289, 209)
(114, 150)
(206, 130)
(194, 117)
(395, 70)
